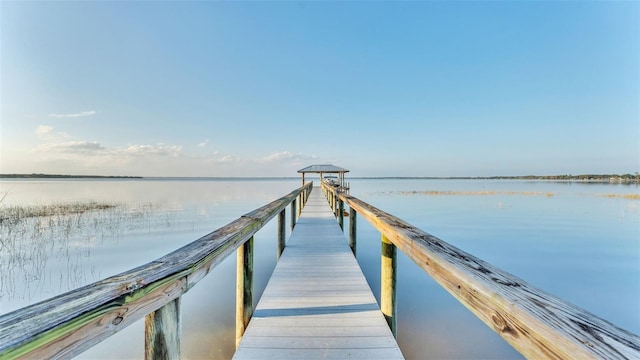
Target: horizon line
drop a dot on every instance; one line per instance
(529, 176)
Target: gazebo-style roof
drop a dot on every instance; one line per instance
(325, 169)
(321, 169)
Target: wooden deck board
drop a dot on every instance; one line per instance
(317, 304)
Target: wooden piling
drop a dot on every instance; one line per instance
(352, 230)
(244, 288)
(341, 214)
(282, 225)
(162, 332)
(388, 283)
(293, 213)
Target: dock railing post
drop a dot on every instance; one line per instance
(352, 230)
(388, 283)
(293, 213)
(244, 288)
(341, 213)
(333, 202)
(162, 332)
(282, 225)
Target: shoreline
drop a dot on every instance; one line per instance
(593, 178)
(62, 176)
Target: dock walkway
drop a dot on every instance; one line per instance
(317, 304)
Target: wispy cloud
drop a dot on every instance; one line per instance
(279, 156)
(46, 132)
(60, 142)
(287, 158)
(158, 150)
(43, 130)
(74, 115)
(58, 150)
(73, 147)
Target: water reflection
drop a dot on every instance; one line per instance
(575, 244)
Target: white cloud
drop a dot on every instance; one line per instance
(61, 143)
(71, 147)
(74, 115)
(46, 132)
(279, 156)
(160, 149)
(61, 153)
(287, 158)
(43, 130)
(217, 159)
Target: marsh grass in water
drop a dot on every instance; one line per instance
(494, 193)
(470, 193)
(623, 196)
(14, 214)
(65, 233)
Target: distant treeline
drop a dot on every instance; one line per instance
(58, 176)
(583, 177)
(615, 178)
(625, 178)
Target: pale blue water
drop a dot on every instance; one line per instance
(566, 238)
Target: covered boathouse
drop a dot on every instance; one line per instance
(325, 169)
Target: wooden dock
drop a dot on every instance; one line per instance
(317, 304)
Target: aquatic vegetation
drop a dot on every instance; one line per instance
(468, 193)
(623, 196)
(31, 236)
(494, 193)
(14, 214)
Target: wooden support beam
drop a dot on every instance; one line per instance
(388, 283)
(244, 288)
(293, 213)
(162, 332)
(282, 225)
(341, 214)
(333, 203)
(352, 230)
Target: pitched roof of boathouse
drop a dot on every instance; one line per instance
(326, 168)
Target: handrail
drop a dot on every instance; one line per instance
(70, 323)
(535, 323)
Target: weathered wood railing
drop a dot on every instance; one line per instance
(68, 324)
(535, 323)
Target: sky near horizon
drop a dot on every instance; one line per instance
(430, 88)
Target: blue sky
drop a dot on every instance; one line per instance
(266, 88)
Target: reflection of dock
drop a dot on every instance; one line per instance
(317, 303)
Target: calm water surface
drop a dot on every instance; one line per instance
(578, 241)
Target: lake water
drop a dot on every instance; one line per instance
(578, 241)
